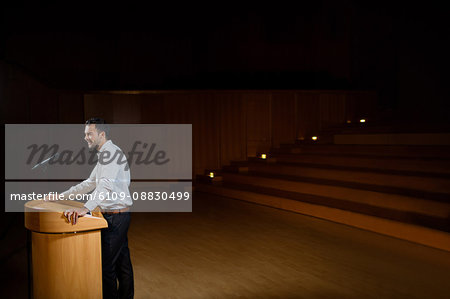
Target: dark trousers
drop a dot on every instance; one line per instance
(116, 262)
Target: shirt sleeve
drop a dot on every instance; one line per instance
(107, 178)
(84, 187)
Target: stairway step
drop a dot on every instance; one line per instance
(385, 164)
(430, 186)
(432, 196)
(363, 179)
(431, 221)
(400, 151)
(437, 139)
(406, 231)
(370, 198)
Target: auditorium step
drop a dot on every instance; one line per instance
(422, 160)
(302, 204)
(423, 184)
(397, 151)
(344, 197)
(418, 166)
(401, 191)
(409, 139)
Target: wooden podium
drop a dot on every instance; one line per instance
(66, 258)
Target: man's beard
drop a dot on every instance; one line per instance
(93, 149)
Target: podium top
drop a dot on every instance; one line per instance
(47, 217)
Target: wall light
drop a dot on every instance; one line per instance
(362, 120)
(263, 156)
(314, 138)
(211, 174)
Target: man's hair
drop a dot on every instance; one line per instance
(100, 125)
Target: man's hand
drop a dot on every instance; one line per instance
(73, 214)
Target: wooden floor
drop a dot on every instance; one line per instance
(232, 249)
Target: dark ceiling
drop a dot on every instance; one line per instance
(316, 44)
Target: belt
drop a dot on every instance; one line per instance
(116, 211)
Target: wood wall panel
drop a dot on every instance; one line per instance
(308, 114)
(258, 122)
(43, 104)
(16, 105)
(234, 125)
(367, 101)
(127, 109)
(332, 109)
(227, 125)
(99, 105)
(152, 109)
(26, 100)
(360, 105)
(231, 128)
(205, 137)
(71, 108)
(283, 118)
(178, 106)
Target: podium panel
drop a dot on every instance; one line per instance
(66, 258)
(67, 265)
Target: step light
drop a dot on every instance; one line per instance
(214, 177)
(362, 120)
(263, 156)
(314, 138)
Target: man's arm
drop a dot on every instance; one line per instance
(107, 175)
(84, 187)
(107, 179)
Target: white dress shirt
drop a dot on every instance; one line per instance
(110, 181)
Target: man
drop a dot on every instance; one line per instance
(110, 179)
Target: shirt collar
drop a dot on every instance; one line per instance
(105, 145)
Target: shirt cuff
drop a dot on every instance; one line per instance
(90, 205)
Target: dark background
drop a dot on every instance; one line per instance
(398, 49)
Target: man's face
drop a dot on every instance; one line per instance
(92, 137)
